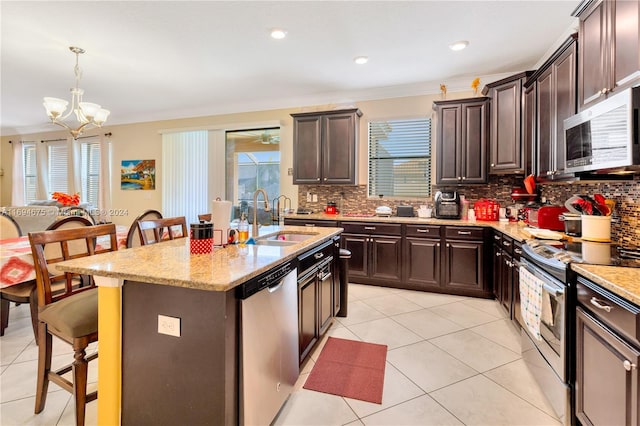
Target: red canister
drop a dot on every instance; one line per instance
(201, 238)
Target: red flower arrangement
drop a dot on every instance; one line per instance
(66, 199)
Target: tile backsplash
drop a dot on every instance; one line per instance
(626, 194)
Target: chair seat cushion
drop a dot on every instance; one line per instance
(74, 316)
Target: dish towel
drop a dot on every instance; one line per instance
(531, 301)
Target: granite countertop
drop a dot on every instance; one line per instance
(625, 282)
(512, 229)
(170, 262)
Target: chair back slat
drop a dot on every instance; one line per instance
(67, 243)
(162, 229)
(133, 235)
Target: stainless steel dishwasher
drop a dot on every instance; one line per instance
(269, 343)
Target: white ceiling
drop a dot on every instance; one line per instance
(154, 60)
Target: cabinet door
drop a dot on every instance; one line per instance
(422, 262)
(593, 48)
(358, 245)
(338, 162)
(497, 271)
(506, 142)
(545, 111)
(464, 266)
(449, 144)
(506, 293)
(626, 48)
(606, 375)
(564, 74)
(325, 297)
(386, 258)
(474, 141)
(307, 150)
(307, 314)
(517, 314)
(529, 130)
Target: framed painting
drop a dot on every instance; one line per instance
(138, 174)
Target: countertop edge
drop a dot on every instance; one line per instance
(624, 282)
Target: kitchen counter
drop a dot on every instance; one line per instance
(170, 262)
(624, 282)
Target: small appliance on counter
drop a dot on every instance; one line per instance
(546, 217)
(404, 211)
(383, 211)
(331, 208)
(447, 205)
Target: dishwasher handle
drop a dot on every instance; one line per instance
(278, 286)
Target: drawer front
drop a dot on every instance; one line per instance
(497, 237)
(507, 244)
(428, 231)
(372, 228)
(614, 311)
(311, 222)
(315, 256)
(464, 233)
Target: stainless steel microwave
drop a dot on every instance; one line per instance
(604, 137)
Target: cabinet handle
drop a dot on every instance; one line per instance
(628, 365)
(498, 254)
(496, 237)
(318, 255)
(309, 224)
(516, 264)
(506, 244)
(464, 232)
(318, 179)
(437, 244)
(459, 178)
(370, 228)
(600, 305)
(325, 178)
(517, 251)
(464, 178)
(493, 165)
(604, 91)
(424, 231)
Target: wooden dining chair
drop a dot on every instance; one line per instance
(76, 211)
(157, 230)
(71, 315)
(133, 235)
(19, 293)
(9, 228)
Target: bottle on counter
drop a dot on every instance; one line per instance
(464, 211)
(243, 230)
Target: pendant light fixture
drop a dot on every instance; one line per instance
(88, 115)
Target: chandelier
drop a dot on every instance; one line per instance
(88, 115)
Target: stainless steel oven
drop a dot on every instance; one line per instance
(546, 350)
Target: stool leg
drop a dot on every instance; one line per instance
(4, 315)
(44, 366)
(80, 369)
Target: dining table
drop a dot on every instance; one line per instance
(16, 260)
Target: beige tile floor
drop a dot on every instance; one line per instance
(452, 360)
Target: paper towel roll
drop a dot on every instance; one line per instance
(221, 218)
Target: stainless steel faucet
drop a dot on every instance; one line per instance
(254, 229)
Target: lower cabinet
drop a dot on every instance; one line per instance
(506, 273)
(607, 358)
(464, 261)
(422, 257)
(316, 296)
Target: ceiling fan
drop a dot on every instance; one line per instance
(262, 136)
(267, 137)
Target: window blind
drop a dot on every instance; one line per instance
(184, 174)
(90, 175)
(58, 166)
(30, 172)
(400, 158)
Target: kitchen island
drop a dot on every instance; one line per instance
(201, 367)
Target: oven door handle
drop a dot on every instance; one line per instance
(553, 291)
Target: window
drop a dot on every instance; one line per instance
(58, 166)
(90, 172)
(400, 158)
(30, 172)
(253, 161)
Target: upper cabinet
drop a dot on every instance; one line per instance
(507, 153)
(609, 57)
(555, 100)
(461, 140)
(324, 147)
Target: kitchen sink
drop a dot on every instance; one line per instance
(270, 242)
(283, 239)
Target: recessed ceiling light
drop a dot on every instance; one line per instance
(459, 45)
(278, 33)
(361, 60)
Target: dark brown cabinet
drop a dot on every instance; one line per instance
(324, 147)
(461, 140)
(609, 44)
(507, 152)
(607, 358)
(422, 257)
(464, 261)
(376, 252)
(316, 295)
(529, 128)
(506, 274)
(556, 100)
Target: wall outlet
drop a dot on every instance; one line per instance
(315, 198)
(169, 325)
(308, 197)
(290, 171)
